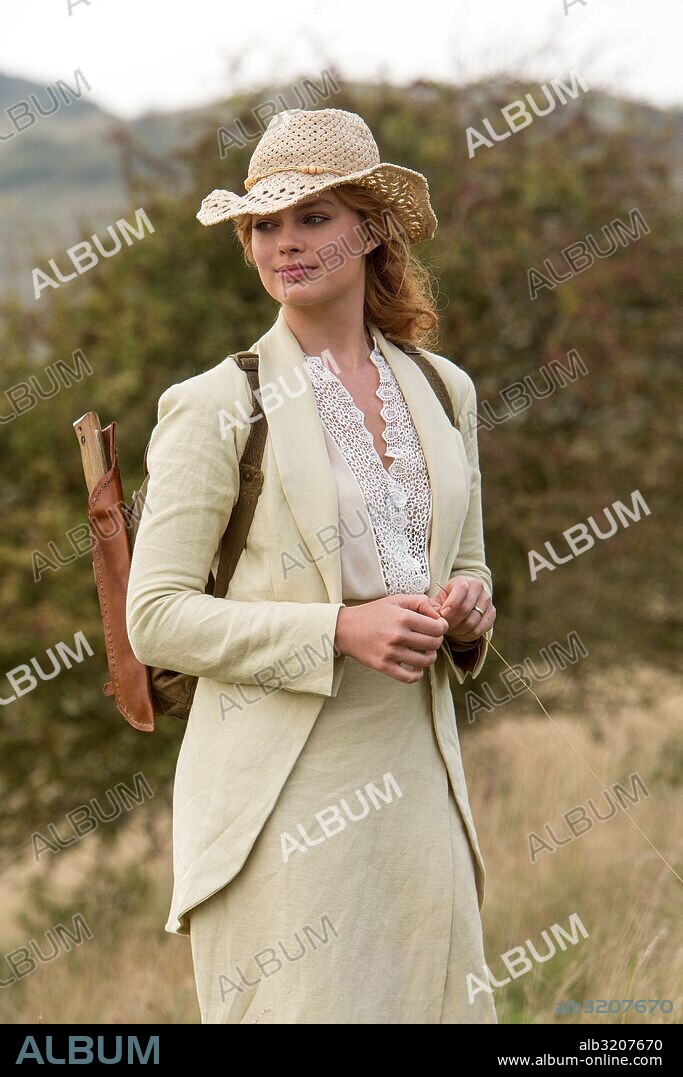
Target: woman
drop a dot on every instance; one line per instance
(327, 869)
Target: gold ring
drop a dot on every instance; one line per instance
(479, 611)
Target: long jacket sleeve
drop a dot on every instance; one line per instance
(471, 558)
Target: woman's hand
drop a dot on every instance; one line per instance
(456, 602)
(391, 630)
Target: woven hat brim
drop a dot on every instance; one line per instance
(403, 190)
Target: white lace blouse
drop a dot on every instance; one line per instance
(385, 516)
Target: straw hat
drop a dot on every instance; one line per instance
(302, 152)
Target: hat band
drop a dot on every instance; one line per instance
(312, 170)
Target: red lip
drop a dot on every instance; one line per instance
(297, 268)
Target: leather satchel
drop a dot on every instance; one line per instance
(142, 692)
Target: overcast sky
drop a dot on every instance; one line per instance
(139, 55)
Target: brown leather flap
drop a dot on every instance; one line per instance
(111, 553)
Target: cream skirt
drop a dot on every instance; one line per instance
(357, 903)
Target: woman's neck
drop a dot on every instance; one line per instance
(344, 339)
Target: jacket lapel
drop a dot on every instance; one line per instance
(298, 443)
(439, 445)
(300, 451)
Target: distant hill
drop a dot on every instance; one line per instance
(65, 168)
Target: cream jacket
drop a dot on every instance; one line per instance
(264, 655)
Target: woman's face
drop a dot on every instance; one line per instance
(322, 238)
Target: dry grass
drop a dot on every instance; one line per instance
(521, 775)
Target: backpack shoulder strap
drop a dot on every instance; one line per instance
(433, 377)
(251, 484)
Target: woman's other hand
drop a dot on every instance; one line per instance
(457, 601)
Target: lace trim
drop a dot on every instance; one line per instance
(398, 500)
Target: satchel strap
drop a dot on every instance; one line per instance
(433, 377)
(251, 483)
